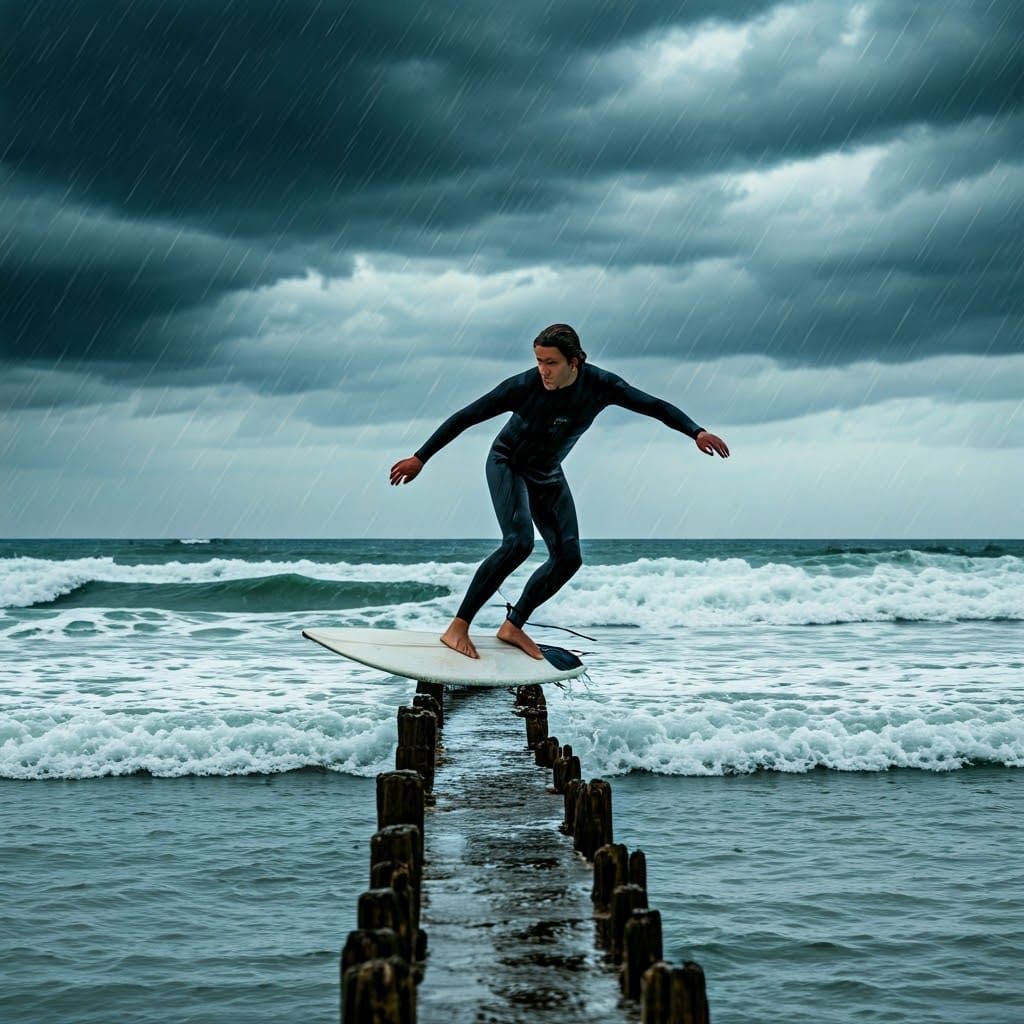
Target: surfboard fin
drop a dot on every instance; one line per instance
(559, 657)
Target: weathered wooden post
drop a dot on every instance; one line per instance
(641, 949)
(428, 703)
(400, 801)
(417, 727)
(601, 814)
(565, 768)
(388, 875)
(689, 994)
(592, 822)
(625, 899)
(536, 726)
(390, 908)
(398, 844)
(531, 696)
(396, 850)
(638, 871)
(582, 831)
(417, 742)
(572, 792)
(544, 753)
(379, 991)
(435, 690)
(674, 995)
(611, 869)
(368, 944)
(656, 995)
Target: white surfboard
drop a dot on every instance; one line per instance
(422, 656)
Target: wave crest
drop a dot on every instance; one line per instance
(91, 744)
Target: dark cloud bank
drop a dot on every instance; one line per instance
(160, 157)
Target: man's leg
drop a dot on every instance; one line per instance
(512, 507)
(554, 512)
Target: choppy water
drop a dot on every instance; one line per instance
(742, 674)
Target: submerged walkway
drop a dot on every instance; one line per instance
(506, 901)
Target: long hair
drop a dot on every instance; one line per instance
(565, 339)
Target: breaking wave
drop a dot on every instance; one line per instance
(901, 586)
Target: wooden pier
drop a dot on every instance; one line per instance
(505, 857)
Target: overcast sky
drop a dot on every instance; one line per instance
(252, 253)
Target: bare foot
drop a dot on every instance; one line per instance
(456, 636)
(512, 634)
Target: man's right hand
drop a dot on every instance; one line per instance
(712, 444)
(405, 471)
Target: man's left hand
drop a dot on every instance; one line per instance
(712, 444)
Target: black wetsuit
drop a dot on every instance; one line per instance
(524, 472)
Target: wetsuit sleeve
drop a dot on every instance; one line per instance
(501, 399)
(629, 397)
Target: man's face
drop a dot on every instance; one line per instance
(555, 370)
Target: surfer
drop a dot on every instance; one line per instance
(551, 408)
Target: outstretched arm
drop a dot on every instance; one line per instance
(494, 402)
(635, 400)
(501, 399)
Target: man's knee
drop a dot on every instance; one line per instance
(571, 558)
(518, 545)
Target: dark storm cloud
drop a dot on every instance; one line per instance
(164, 157)
(263, 116)
(94, 285)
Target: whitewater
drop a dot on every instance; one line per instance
(178, 658)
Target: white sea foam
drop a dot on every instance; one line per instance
(712, 738)
(730, 592)
(649, 592)
(87, 743)
(699, 669)
(717, 738)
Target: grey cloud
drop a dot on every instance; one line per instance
(925, 160)
(88, 284)
(173, 164)
(23, 387)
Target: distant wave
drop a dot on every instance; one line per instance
(899, 586)
(194, 540)
(901, 551)
(287, 592)
(258, 585)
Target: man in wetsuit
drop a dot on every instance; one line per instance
(550, 409)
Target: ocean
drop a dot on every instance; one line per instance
(817, 743)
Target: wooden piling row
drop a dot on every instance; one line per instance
(382, 960)
(626, 926)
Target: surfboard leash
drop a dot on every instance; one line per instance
(543, 625)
